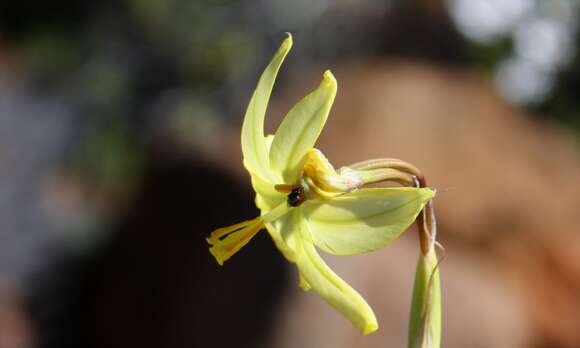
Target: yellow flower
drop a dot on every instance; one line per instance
(305, 202)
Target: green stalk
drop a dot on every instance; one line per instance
(425, 320)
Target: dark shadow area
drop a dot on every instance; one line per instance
(154, 284)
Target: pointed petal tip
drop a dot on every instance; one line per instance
(287, 43)
(303, 284)
(328, 78)
(429, 192)
(370, 328)
(254, 148)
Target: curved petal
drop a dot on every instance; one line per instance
(300, 129)
(303, 283)
(335, 291)
(266, 196)
(253, 144)
(283, 231)
(363, 220)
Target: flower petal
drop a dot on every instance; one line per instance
(253, 144)
(283, 231)
(266, 196)
(303, 283)
(300, 129)
(318, 276)
(363, 220)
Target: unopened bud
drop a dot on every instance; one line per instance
(425, 321)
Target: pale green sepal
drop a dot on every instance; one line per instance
(303, 284)
(364, 220)
(283, 232)
(253, 143)
(332, 288)
(300, 129)
(425, 319)
(267, 197)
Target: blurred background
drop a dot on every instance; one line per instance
(119, 154)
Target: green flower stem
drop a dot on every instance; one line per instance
(427, 227)
(425, 318)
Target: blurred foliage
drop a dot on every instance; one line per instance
(531, 46)
(488, 56)
(563, 103)
(132, 64)
(109, 158)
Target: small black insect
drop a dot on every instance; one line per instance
(296, 196)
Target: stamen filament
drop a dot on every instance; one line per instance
(427, 226)
(284, 188)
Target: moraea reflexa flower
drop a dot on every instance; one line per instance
(305, 202)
